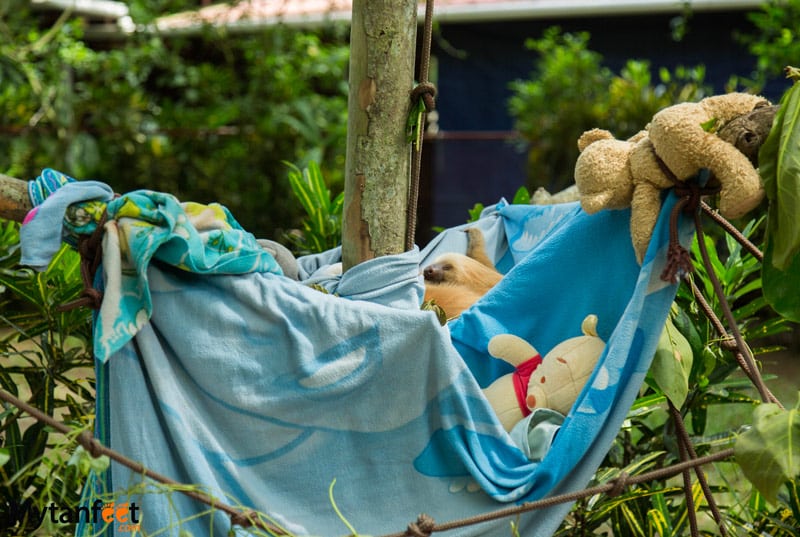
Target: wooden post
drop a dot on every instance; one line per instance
(14, 200)
(382, 49)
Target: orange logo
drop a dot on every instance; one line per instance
(124, 514)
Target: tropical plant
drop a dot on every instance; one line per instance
(46, 360)
(206, 118)
(716, 401)
(322, 226)
(774, 42)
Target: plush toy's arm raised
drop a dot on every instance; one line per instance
(511, 348)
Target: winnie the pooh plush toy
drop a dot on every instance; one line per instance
(553, 382)
(680, 141)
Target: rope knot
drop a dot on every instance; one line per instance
(91, 251)
(423, 527)
(244, 519)
(679, 263)
(620, 484)
(427, 92)
(90, 444)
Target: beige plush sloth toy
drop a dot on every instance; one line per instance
(614, 174)
(553, 382)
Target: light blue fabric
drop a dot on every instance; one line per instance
(146, 226)
(535, 433)
(43, 230)
(265, 390)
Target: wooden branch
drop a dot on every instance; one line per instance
(14, 200)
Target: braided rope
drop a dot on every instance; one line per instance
(427, 92)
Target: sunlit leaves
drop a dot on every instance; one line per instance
(769, 452)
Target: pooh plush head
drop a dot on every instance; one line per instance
(680, 141)
(553, 382)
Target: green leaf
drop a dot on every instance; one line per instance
(769, 452)
(522, 196)
(475, 212)
(5, 456)
(672, 364)
(780, 172)
(710, 125)
(781, 286)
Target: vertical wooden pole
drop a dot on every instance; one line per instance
(382, 49)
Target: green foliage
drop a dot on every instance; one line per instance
(775, 41)
(47, 361)
(780, 172)
(207, 118)
(672, 364)
(710, 393)
(322, 226)
(570, 91)
(769, 452)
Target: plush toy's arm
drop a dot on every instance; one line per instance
(511, 348)
(681, 141)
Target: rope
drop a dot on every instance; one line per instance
(743, 349)
(688, 452)
(427, 92)
(244, 518)
(90, 249)
(606, 488)
(678, 267)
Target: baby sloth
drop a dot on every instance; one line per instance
(455, 281)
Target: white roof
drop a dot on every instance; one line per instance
(249, 15)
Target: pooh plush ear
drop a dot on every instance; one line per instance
(553, 382)
(680, 141)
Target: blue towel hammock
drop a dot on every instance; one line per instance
(216, 370)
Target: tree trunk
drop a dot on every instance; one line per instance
(382, 50)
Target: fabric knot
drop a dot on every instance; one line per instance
(620, 484)
(423, 527)
(427, 92)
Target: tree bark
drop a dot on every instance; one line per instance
(377, 169)
(14, 200)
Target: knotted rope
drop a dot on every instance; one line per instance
(427, 92)
(90, 249)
